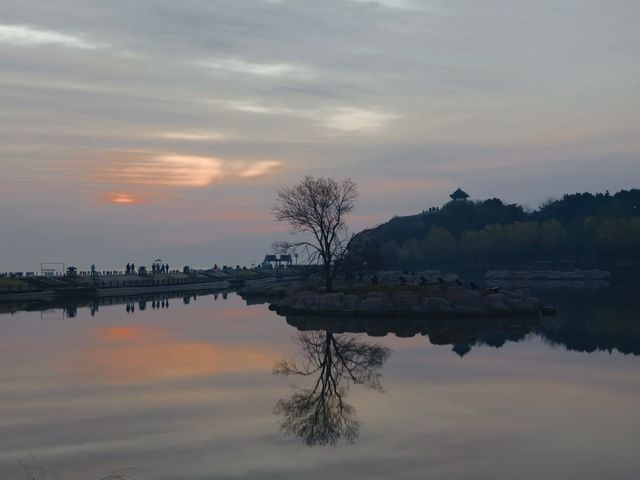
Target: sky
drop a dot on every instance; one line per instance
(131, 131)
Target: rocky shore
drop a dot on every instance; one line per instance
(548, 275)
(427, 302)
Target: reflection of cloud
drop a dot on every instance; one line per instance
(275, 70)
(123, 333)
(139, 354)
(26, 36)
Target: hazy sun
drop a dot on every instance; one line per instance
(121, 198)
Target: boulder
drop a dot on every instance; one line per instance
(376, 295)
(331, 301)
(372, 305)
(350, 302)
(466, 309)
(436, 304)
(500, 308)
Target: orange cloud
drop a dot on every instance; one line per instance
(168, 170)
(158, 170)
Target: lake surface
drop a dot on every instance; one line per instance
(214, 388)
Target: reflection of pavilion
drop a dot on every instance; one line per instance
(462, 334)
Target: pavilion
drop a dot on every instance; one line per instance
(459, 196)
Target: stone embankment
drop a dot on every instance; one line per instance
(430, 301)
(547, 275)
(270, 287)
(38, 288)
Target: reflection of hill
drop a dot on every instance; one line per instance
(461, 333)
(584, 333)
(606, 321)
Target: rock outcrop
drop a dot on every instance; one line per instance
(414, 303)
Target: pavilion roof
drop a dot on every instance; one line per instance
(459, 194)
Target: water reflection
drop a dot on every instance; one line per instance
(132, 303)
(320, 415)
(188, 392)
(584, 333)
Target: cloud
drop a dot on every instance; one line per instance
(344, 119)
(26, 36)
(160, 170)
(259, 169)
(274, 70)
(165, 170)
(193, 136)
(350, 119)
(394, 4)
(253, 107)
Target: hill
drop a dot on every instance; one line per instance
(581, 228)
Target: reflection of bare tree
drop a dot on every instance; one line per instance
(320, 415)
(35, 471)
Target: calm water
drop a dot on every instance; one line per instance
(188, 391)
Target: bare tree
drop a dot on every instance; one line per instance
(318, 206)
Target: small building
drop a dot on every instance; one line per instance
(459, 196)
(285, 260)
(270, 261)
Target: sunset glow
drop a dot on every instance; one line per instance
(300, 239)
(141, 354)
(158, 121)
(167, 170)
(121, 198)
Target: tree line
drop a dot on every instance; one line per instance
(579, 228)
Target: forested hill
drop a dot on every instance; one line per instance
(581, 227)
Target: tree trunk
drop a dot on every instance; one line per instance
(328, 279)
